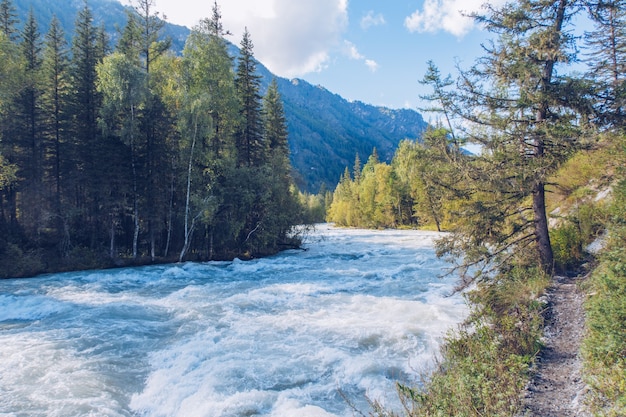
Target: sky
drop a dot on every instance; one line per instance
(368, 50)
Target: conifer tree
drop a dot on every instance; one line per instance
(276, 126)
(527, 127)
(11, 74)
(56, 111)
(8, 20)
(85, 101)
(250, 143)
(607, 58)
(282, 206)
(29, 130)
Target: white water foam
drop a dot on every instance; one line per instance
(283, 336)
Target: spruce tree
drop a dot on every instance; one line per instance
(56, 115)
(11, 75)
(8, 20)
(283, 207)
(29, 129)
(275, 124)
(606, 58)
(522, 108)
(85, 101)
(250, 143)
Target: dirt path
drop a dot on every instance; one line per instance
(557, 388)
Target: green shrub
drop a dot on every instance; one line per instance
(14, 262)
(568, 241)
(567, 246)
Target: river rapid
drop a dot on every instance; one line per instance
(290, 335)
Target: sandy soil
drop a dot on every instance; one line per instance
(557, 389)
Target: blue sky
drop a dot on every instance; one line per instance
(369, 50)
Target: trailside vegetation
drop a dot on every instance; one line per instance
(133, 154)
(604, 347)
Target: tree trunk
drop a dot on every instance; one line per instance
(542, 236)
(189, 230)
(135, 190)
(540, 218)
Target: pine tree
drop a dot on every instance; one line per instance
(11, 74)
(56, 114)
(250, 144)
(607, 58)
(275, 124)
(29, 129)
(527, 127)
(8, 20)
(85, 101)
(282, 205)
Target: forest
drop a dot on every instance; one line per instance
(132, 154)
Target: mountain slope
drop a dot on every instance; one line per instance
(326, 132)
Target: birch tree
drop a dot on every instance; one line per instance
(122, 84)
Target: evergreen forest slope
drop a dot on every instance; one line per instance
(326, 131)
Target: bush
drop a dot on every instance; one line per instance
(567, 246)
(14, 262)
(568, 241)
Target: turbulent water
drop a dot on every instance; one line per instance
(291, 335)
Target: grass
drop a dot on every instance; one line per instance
(604, 347)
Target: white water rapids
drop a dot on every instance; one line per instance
(279, 337)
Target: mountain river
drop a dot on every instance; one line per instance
(292, 335)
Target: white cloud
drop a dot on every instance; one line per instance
(370, 19)
(351, 51)
(446, 15)
(290, 38)
(372, 65)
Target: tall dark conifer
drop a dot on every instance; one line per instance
(29, 129)
(282, 207)
(275, 122)
(250, 143)
(11, 80)
(55, 83)
(90, 165)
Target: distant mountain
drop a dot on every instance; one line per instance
(110, 13)
(326, 131)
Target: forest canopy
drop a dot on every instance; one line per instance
(133, 154)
